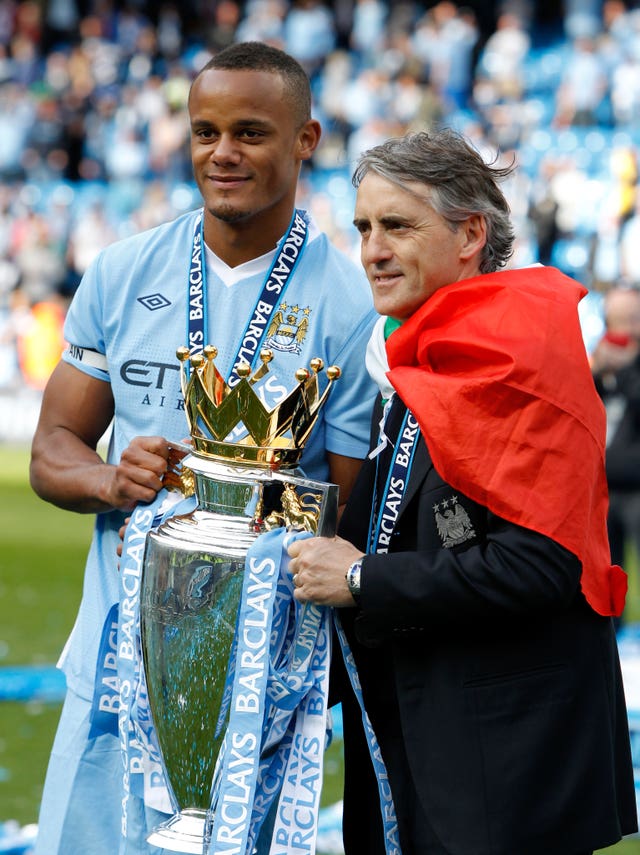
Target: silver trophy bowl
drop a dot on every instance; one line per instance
(190, 597)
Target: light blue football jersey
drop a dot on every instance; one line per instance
(124, 325)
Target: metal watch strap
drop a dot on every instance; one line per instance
(353, 579)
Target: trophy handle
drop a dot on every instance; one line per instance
(308, 505)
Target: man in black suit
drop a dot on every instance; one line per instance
(615, 363)
(472, 573)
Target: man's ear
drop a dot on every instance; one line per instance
(308, 138)
(475, 236)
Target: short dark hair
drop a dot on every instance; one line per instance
(460, 183)
(257, 56)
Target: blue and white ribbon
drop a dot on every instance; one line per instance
(236, 776)
(296, 824)
(387, 807)
(142, 767)
(275, 740)
(272, 292)
(197, 305)
(384, 513)
(384, 516)
(106, 690)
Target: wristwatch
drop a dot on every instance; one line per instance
(353, 579)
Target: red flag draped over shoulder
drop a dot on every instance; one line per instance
(495, 370)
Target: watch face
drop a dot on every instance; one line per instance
(353, 578)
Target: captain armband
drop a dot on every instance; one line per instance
(88, 357)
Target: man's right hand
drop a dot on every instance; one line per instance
(67, 470)
(138, 476)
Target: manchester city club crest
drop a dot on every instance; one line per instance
(453, 523)
(288, 328)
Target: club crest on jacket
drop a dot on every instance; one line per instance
(453, 522)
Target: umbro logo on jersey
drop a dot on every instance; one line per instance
(154, 301)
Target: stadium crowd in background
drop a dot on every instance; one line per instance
(94, 132)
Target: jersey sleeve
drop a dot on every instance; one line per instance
(348, 409)
(84, 325)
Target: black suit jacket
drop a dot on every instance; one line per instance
(494, 689)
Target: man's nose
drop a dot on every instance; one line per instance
(226, 149)
(376, 248)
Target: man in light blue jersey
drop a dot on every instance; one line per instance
(245, 271)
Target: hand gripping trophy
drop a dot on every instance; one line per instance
(231, 695)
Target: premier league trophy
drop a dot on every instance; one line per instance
(194, 565)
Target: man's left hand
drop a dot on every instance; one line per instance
(319, 566)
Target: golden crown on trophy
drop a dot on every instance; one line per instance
(232, 422)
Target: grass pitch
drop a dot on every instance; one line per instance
(42, 554)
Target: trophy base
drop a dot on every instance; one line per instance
(184, 832)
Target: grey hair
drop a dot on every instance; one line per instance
(459, 181)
